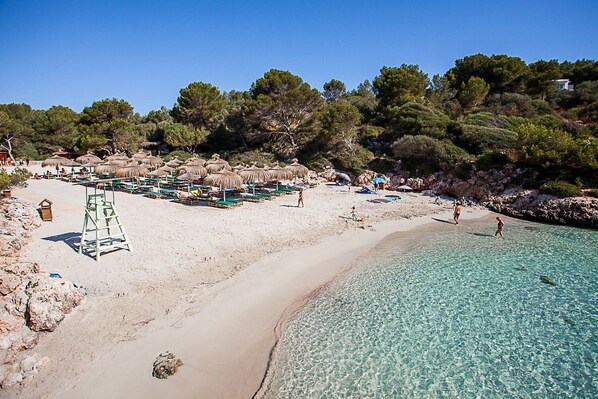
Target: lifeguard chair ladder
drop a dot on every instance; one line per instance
(102, 228)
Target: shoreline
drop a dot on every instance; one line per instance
(194, 273)
(237, 357)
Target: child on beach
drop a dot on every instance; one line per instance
(300, 200)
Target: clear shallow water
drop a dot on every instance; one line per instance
(460, 315)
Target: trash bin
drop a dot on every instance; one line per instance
(46, 210)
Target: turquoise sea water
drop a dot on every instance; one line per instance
(459, 314)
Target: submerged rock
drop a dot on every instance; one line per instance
(547, 280)
(165, 365)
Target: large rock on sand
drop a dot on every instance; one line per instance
(50, 300)
(165, 365)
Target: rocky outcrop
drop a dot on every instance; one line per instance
(49, 301)
(501, 191)
(165, 365)
(530, 204)
(30, 300)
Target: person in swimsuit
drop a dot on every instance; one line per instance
(501, 225)
(300, 200)
(457, 213)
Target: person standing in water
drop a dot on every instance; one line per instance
(501, 225)
(457, 213)
(300, 200)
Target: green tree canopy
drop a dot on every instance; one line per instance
(334, 90)
(281, 111)
(501, 72)
(55, 129)
(107, 124)
(199, 104)
(396, 86)
(473, 93)
(186, 137)
(542, 76)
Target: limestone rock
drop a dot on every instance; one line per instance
(165, 365)
(50, 300)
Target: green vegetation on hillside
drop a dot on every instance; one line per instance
(486, 109)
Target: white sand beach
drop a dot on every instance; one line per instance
(210, 285)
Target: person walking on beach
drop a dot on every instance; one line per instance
(457, 213)
(501, 225)
(300, 200)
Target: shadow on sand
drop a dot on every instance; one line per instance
(443, 221)
(71, 239)
(481, 234)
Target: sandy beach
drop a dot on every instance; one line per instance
(210, 285)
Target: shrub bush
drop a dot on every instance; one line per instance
(593, 193)
(17, 178)
(560, 189)
(492, 160)
(477, 139)
(423, 155)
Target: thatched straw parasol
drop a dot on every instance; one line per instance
(158, 173)
(253, 174)
(278, 173)
(138, 156)
(119, 162)
(297, 169)
(56, 160)
(195, 161)
(167, 168)
(188, 177)
(107, 168)
(152, 161)
(217, 164)
(173, 163)
(224, 179)
(194, 169)
(117, 157)
(132, 171)
(88, 158)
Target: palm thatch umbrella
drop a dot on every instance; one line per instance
(253, 174)
(119, 156)
(194, 169)
(139, 155)
(173, 163)
(132, 171)
(60, 152)
(88, 158)
(152, 161)
(224, 179)
(277, 173)
(297, 169)
(195, 161)
(167, 169)
(56, 160)
(107, 168)
(189, 177)
(158, 173)
(217, 164)
(119, 162)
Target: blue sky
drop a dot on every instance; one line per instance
(75, 52)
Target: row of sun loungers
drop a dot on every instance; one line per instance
(184, 193)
